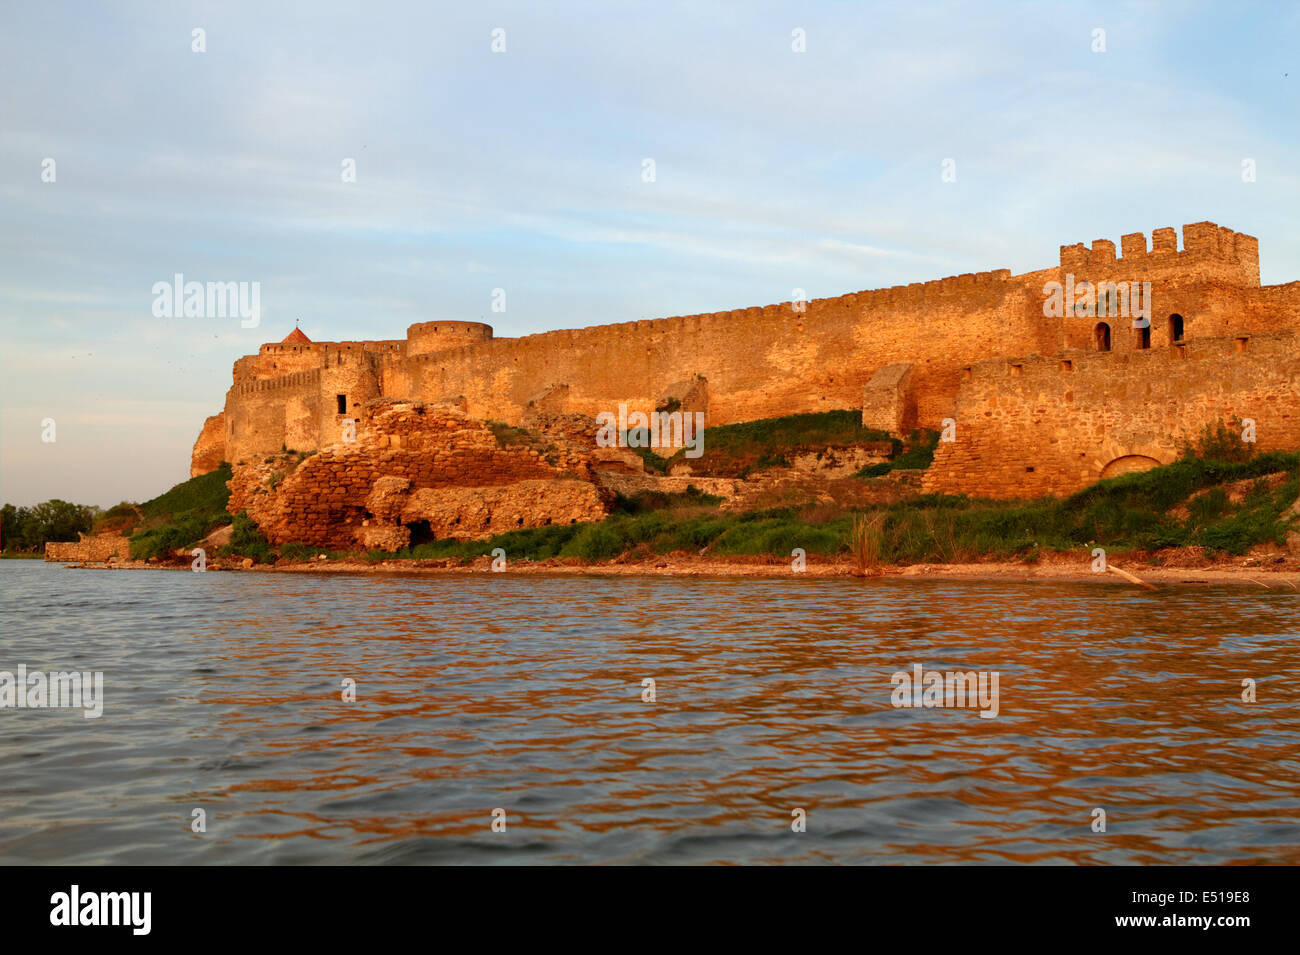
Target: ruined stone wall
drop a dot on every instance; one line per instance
(1033, 426)
(264, 415)
(329, 500)
(758, 362)
(100, 547)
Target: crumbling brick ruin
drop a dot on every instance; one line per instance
(427, 470)
(1043, 401)
(97, 548)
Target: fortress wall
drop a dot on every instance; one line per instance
(428, 337)
(267, 414)
(277, 360)
(1031, 426)
(1213, 283)
(354, 374)
(759, 362)
(768, 361)
(1273, 308)
(1208, 310)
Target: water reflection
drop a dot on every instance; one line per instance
(223, 692)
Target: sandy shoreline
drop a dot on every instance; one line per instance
(1286, 578)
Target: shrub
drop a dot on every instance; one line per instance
(1220, 441)
(247, 539)
(593, 542)
(303, 552)
(161, 540)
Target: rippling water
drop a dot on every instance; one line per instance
(222, 692)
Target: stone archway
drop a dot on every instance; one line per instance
(1128, 464)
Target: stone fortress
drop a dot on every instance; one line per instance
(1035, 402)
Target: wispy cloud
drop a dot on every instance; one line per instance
(774, 170)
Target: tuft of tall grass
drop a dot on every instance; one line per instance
(867, 542)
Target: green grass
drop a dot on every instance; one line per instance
(917, 453)
(246, 540)
(733, 450)
(183, 515)
(645, 501)
(305, 552)
(1131, 512)
(207, 494)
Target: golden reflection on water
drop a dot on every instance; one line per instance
(475, 693)
(525, 694)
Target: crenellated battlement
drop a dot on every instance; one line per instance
(1210, 252)
(298, 379)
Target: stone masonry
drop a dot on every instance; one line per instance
(907, 356)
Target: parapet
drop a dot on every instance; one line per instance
(1204, 244)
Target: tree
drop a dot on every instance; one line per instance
(28, 529)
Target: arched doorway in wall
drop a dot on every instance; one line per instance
(1128, 464)
(1144, 336)
(1175, 327)
(1101, 337)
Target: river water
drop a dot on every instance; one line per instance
(224, 692)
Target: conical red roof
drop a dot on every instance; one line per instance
(294, 337)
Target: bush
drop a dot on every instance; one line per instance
(27, 529)
(303, 552)
(916, 455)
(593, 542)
(1220, 441)
(161, 540)
(646, 501)
(246, 539)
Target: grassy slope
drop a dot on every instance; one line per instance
(1128, 513)
(184, 515)
(733, 450)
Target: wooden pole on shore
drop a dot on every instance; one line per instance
(1130, 578)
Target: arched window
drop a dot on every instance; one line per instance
(1175, 327)
(1144, 336)
(1101, 336)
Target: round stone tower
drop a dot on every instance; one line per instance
(427, 337)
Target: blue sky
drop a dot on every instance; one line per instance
(522, 170)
